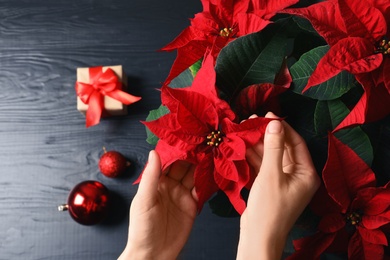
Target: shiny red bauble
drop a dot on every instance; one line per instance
(113, 164)
(88, 203)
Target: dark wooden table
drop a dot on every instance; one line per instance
(46, 149)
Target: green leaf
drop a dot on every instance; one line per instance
(194, 68)
(184, 80)
(322, 119)
(252, 59)
(304, 24)
(328, 114)
(331, 89)
(153, 115)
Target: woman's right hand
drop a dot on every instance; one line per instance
(285, 184)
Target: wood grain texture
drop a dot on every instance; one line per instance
(46, 149)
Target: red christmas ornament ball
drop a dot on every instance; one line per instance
(113, 164)
(88, 203)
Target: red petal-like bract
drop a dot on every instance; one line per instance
(362, 19)
(359, 249)
(268, 8)
(204, 180)
(385, 72)
(250, 131)
(312, 247)
(322, 204)
(345, 173)
(352, 54)
(375, 203)
(372, 105)
(196, 112)
(351, 183)
(233, 188)
(353, 30)
(249, 23)
(239, 18)
(204, 83)
(372, 236)
(325, 18)
(332, 223)
(374, 200)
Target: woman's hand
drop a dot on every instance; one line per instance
(285, 184)
(162, 212)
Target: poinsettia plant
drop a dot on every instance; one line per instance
(324, 66)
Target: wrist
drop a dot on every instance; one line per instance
(140, 253)
(257, 244)
(135, 254)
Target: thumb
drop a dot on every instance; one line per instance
(273, 147)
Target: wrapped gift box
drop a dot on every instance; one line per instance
(111, 106)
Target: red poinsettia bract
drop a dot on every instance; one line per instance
(358, 34)
(353, 210)
(200, 129)
(220, 22)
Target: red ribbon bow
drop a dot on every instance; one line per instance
(101, 84)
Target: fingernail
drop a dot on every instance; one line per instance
(151, 154)
(274, 127)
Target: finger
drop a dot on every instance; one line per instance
(151, 175)
(287, 156)
(296, 147)
(271, 115)
(252, 116)
(178, 170)
(273, 148)
(254, 158)
(188, 180)
(254, 155)
(259, 148)
(194, 194)
(286, 160)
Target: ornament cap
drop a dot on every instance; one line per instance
(63, 207)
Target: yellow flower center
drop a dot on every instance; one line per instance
(225, 32)
(354, 218)
(383, 47)
(214, 138)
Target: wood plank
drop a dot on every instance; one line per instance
(45, 149)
